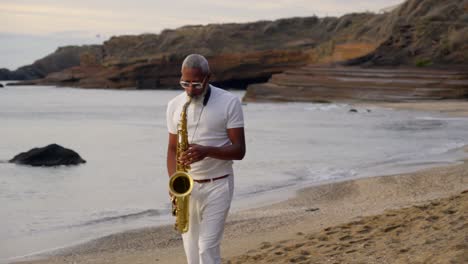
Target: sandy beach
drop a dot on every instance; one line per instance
(416, 217)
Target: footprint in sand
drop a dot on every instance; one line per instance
(323, 238)
(344, 238)
(366, 229)
(359, 240)
(416, 218)
(298, 259)
(432, 218)
(391, 228)
(449, 211)
(358, 222)
(299, 245)
(266, 245)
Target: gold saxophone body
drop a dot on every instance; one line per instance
(181, 183)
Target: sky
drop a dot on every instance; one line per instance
(31, 29)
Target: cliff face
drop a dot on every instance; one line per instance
(419, 32)
(62, 58)
(239, 54)
(427, 32)
(213, 40)
(423, 33)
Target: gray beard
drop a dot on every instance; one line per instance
(201, 96)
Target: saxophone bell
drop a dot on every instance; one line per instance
(180, 184)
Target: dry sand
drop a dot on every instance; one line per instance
(409, 218)
(434, 232)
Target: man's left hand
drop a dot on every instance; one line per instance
(193, 154)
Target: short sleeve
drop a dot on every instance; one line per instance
(235, 116)
(171, 126)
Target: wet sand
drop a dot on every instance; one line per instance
(408, 218)
(456, 108)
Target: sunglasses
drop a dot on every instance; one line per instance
(196, 85)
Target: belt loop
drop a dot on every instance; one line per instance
(211, 180)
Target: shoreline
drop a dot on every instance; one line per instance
(451, 108)
(312, 209)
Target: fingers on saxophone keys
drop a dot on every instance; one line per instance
(189, 160)
(183, 162)
(188, 157)
(185, 159)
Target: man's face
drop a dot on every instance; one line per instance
(194, 75)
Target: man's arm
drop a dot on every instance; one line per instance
(235, 151)
(171, 154)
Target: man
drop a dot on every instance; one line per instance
(215, 127)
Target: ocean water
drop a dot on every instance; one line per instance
(123, 137)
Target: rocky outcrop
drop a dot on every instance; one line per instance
(239, 54)
(6, 75)
(324, 84)
(236, 70)
(224, 39)
(419, 32)
(425, 33)
(51, 155)
(62, 58)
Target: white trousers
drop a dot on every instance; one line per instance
(209, 206)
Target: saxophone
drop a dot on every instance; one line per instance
(181, 183)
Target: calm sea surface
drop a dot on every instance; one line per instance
(123, 137)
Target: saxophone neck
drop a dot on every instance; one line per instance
(189, 100)
(183, 114)
(182, 134)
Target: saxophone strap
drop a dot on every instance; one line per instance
(205, 101)
(207, 95)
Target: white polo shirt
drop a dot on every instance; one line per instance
(223, 111)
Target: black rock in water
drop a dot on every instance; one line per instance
(352, 110)
(1, 85)
(51, 155)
